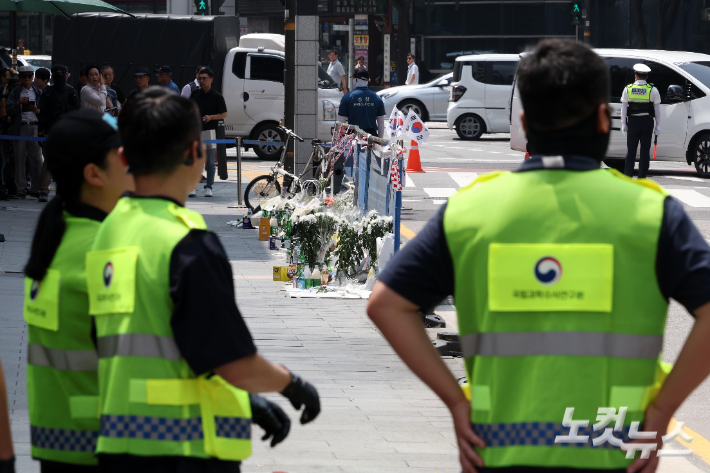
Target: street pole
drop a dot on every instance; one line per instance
(290, 83)
(351, 51)
(13, 46)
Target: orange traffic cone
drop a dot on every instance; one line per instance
(413, 162)
(527, 155)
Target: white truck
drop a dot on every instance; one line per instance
(252, 85)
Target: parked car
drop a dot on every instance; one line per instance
(682, 79)
(37, 61)
(480, 94)
(429, 100)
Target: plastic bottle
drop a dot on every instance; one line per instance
(324, 276)
(307, 277)
(316, 277)
(274, 225)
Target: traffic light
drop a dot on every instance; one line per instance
(216, 5)
(202, 7)
(576, 13)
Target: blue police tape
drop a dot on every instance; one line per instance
(220, 142)
(22, 138)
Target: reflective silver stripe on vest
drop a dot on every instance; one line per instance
(138, 344)
(616, 345)
(64, 360)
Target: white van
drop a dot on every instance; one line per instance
(683, 80)
(253, 89)
(480, 94)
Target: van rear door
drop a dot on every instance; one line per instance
(237, 123)
(263, 86)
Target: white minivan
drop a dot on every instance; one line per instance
(682, 79)
(480, 94)
(253, 90)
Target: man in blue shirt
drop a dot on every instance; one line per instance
(165, 79)
(362, 107)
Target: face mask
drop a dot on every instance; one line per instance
(360, 82)
(581, 139)
(59, 81)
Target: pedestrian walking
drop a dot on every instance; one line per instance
(412, 70)
(4, 79)
(109, 76)
(154, 323)
(212, 109)
(141, 79)
(561, 289)
(62, 362)
(21, 106)
(336, 71)
(190, 87)
(165, 78)
(94, 95)
(640, 105)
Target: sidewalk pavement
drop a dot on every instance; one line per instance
(376, 415)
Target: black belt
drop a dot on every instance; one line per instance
(31, 123)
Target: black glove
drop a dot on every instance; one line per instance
(270, 417)
(301, 392)
(7, 466)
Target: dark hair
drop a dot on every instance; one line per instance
(561, 82)
(206, 70)
(334, 51)
(42, 73)
(83, 72)
(59, 67)
(199, 68)
(156, 127)
(412, 56)
(361, 57)
(641, 75)
(77, 139)
(89, 67)
(104, 67)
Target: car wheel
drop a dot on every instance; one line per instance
(470, 127)
(701, 154)
(417, 107)
(268, 132)
(617, 164)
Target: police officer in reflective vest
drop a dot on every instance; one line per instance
(62, 364)
(561, 273)
(176, 360)
(641, 103)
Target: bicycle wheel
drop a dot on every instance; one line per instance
(260, 190)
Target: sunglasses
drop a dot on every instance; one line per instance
(26, 76)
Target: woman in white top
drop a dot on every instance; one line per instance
(94, 94)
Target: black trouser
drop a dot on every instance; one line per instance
(47, 466)
(640, 130)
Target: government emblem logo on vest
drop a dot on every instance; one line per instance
(108, 274)
(34, 290)
(548, 270)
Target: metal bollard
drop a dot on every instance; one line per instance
(239, 169)
(221, 152)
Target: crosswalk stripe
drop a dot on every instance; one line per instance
(463, 178)
(690, 197)
(438, 192)
(439, 202)
(408, 182)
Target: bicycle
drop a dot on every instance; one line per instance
(265, 187)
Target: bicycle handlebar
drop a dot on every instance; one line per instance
(289, 132)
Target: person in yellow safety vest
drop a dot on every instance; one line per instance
(641, 102)
(62, 364)
(561, 287)
(176, 359)
(7, 454)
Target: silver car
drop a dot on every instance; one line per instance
(429, 100)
